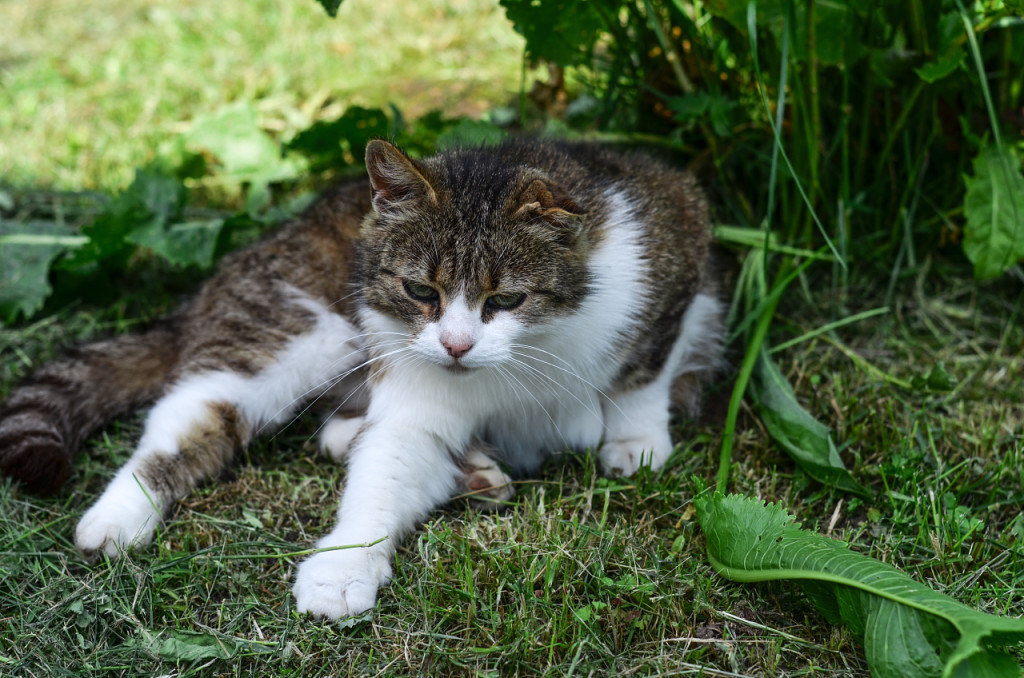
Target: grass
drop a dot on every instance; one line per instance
(112, 81)
(579, 575)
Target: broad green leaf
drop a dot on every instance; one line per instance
(562, 31)
(936, 70)
(806, 439)
(343, 141)
(191, 243)
(153, 199)
(27, 248)
(193, 646)
(246, 154)
(994, 207)
(950, 52)
(908, 629)
(937, 379)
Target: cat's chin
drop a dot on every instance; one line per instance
(458, 368)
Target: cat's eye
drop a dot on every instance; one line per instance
(506, 302)
(420, 292)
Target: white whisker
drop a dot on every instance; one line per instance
(570, 372)
(540, 373)
(329, 383)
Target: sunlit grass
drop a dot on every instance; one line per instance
(89, 90)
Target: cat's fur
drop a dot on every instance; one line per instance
(500, 303)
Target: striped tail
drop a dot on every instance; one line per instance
(51, 412)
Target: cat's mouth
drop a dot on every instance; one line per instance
(458, 368)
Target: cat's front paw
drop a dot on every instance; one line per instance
(625, 456)
(337, 584)
(115, 524)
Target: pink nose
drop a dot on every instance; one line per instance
(457, 348)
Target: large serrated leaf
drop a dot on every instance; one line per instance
(562, 31)
(341, 142)
(246, 154)
(192, 243)
(27, 248)
(909, 630)
(994, 207)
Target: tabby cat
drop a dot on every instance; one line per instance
(468, 313)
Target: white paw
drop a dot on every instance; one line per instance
(122, 518)
(625, 456)
(337, 584)
(337, 436)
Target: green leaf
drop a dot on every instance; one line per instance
(153, 199)
(589, 611)
(245, 152)
(562, 31)
(190, 243)
(330, 6)
(806, 439)
(908, 629)
(936, 70)
(189, 646)
(994, 207)
(837, 27)
(343, 141)
(938, 379)
(27, 249)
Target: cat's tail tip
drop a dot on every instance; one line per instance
(39, 459)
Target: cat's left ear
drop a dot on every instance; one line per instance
(549, 201)
(395, 178)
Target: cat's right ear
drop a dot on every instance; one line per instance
(395, 178)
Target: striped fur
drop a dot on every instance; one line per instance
(50, 413)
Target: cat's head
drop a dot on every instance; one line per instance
(467, 254)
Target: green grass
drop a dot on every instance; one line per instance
(89, 90)
(580, 574)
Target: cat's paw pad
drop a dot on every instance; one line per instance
(625, 456)
(337, 436)
(111, 527)
(339, 584)
(488, 486)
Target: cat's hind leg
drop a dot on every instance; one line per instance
(636, 421)
(481, 479)
(193, 432)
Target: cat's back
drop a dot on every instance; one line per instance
(312, 252)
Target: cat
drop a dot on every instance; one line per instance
(466, 314)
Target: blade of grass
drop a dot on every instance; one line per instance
(828, 327)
